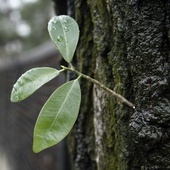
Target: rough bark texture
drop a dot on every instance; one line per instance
(125, 45)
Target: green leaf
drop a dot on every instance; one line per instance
(57, 116)
(32, 80)
(64, 32)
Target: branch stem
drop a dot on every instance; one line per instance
(94, 81)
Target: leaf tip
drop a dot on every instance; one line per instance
(14, 98)
(35, 150)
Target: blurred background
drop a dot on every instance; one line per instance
(23, 24)
(24, 44)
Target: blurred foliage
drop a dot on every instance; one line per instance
(34, 16)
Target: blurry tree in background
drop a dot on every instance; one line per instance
(23, 24)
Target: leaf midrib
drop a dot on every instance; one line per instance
(49, 129)
(65, 37)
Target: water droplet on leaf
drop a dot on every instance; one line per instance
(17, 97)
(65, 28)
(21, 83)
(54, 21)
(60, 38)
(54, 27)
(65, 21)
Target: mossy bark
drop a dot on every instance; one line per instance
(125, 45)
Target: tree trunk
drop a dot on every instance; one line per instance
(125, 45)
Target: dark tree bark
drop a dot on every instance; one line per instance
(125, 45)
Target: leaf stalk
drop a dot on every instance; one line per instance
(94, 81)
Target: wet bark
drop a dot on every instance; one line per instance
(125, 45)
